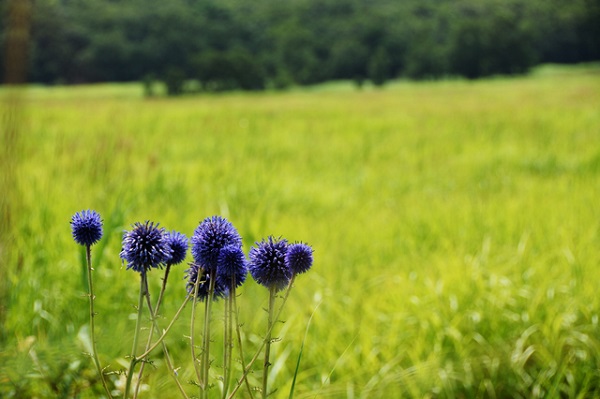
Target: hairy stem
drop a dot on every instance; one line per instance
(192, 331)
(154, 326)
(138, 326)
(257, 354)
(266, 363)
(226, 344)
(206, 336)
(166, 331)
(228, 337)
(149, 342)
(239, 339)
(88, 253)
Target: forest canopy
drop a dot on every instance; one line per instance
(234, 44)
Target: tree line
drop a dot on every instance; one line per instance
(235, 44)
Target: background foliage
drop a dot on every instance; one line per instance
(227, 44)
(456, 230)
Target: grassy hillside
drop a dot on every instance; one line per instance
(455, 224)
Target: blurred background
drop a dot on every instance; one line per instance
(232, 44)
(442, 157)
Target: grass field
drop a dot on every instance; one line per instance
(456, 228)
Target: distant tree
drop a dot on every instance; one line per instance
(511, 50)
(228, 70)
(296, 49)
(3, 32)
(279, 43)
(566, 32)
(349, 59)
(426, 61)
(282, 79)
(52, 40)
(148, 81)
(425, 52)
(491, 39)
(378, 69)
(467, 50)
(248, 73)
(174, 78)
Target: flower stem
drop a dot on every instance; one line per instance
(228, 337)
(138, 326)
(239, 338)
(154, 326)
(206, 336)
(153, 315)
(166, 331)
(264, 342)
(88, 256)
(266, 363)
(192, 328)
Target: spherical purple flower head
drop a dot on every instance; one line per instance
(231, 266)
(144, 247)
(299, 257)
(210, 237)
(196, 271)
(178, 245)
(86, 227)
(267, 263)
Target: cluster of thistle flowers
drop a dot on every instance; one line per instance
(218, 269)
(217, 252)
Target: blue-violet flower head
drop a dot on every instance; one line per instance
(231, 267)
(196, 271)
(267, 263)
(178, 245)
(211, 235)
(299, 257)
(86, 227)
(144, 247)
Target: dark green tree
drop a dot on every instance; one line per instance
(378, 68)
(278, 43)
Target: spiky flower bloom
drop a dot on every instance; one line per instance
(144, 247)
(211, 235)
(299, 257)
(178, 245)
(267, 263)
(231, 267)
(86, 227)
(196, 271)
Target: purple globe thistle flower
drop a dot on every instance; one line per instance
(86, 227)
(231, 267)
(267, 263)
(299, 257)
(178, 245)
(196, 271)
(210, 237)
(144, 247)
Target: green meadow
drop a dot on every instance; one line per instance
(456, 229)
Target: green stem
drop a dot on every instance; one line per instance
(257, 354)
(149, 342)
(154, 326)
(138, 325)
(266, 363)
(239, 338)
(228, 337)
(226, 322)
(206, 336)
(166, 331)
(88, 253)
(193, 322)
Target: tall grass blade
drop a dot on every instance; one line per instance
(300, 353)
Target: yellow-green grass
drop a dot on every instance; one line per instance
(456, 228)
